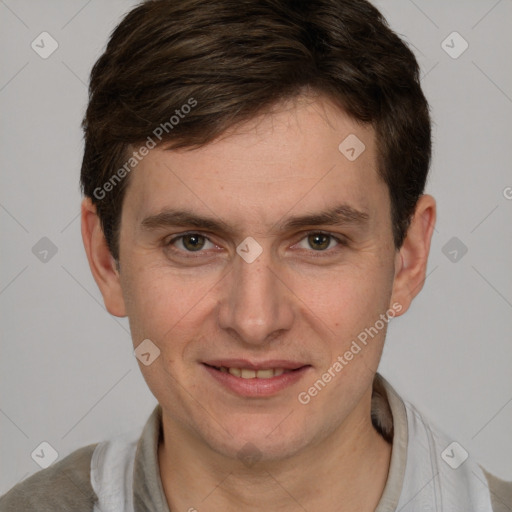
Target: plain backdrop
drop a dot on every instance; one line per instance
(68, 374)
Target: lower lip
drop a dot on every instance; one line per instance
(257, 387)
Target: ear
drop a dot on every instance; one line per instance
(101, 261)
(411, 259)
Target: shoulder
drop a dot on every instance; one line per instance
(64, 486)
(501, 493)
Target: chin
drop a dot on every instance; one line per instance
(259, 441)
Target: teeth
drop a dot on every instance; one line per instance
(246, 373)
(264, 374)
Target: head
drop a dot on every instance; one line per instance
(301, 125)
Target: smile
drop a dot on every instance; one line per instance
(257, 380)
(247, 373)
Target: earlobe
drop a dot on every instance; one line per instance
(102, 264)
(412, 258)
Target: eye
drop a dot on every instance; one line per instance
(190, 242)
(319, 241)
(194, 242)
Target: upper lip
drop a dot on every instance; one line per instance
(286, 364)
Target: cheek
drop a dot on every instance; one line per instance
(349, 297)
(166, 307)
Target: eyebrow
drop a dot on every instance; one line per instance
(340, 215)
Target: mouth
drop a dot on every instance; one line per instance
(256, 379)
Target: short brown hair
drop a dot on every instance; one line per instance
(238, 58)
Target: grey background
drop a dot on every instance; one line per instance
(68, 374)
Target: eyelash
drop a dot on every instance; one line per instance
(317, 254)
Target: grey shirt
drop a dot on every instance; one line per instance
(66, 485)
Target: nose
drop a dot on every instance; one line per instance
(256, 306)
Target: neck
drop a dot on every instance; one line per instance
(351, 464)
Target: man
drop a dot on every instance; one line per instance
(253, 178)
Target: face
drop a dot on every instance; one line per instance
(265, 251)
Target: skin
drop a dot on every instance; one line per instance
(287, 304)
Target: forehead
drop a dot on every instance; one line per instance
(299, 157)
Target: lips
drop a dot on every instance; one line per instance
(256, 379)
(251, 365)
(252, 370)
(248, 373)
